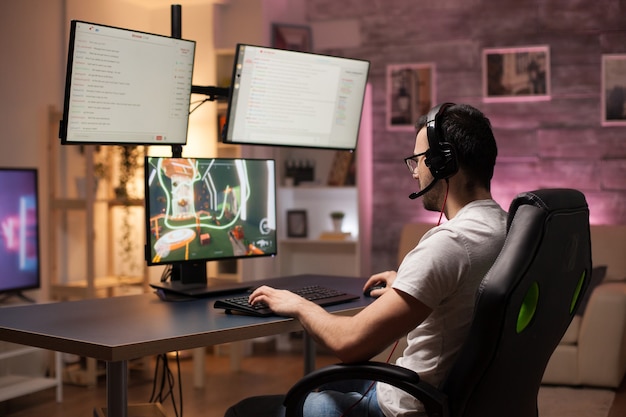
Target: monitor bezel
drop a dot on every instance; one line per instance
(37, 284)
(68, 85)
(191, 262)
(224, 133)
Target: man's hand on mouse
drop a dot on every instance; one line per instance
(382, 280)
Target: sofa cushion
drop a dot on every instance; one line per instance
(597, 275)
(571, 334)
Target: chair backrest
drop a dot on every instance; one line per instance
(524, 305)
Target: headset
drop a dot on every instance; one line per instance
(441, 156)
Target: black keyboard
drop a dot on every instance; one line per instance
(315, 293)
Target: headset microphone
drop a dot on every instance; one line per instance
(420, 193)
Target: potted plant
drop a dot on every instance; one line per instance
(128, 166)
(337, 218)
(129, 159)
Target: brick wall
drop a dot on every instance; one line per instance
(555, 143)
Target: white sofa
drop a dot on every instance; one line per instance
(593, 350)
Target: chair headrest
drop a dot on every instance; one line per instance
(554, 199)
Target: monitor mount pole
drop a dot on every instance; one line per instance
(212, 93)
(192, 273)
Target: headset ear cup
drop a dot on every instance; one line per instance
(449, 165)
(440, 157)
(442, 164)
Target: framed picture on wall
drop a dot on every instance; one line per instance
(292, 37)
(516, 74)
(410, 94)
(297, 223)
(613, 90)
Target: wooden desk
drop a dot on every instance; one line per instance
(119, 329)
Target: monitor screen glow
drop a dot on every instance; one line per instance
(126, 87)
(19, 226)
(289, 98)
(205, 209)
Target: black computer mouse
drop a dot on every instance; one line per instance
(368, 291)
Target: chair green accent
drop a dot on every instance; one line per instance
(577, 293)
(528, 308)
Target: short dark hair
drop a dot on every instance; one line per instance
(469, 131)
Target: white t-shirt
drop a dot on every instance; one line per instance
(444, 271)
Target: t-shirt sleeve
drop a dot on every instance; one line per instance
(431, 271)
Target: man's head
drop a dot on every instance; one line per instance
(468, 133)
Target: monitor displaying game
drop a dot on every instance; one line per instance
(19, 226)
(126, 87)
(290, 98)
(206, 209)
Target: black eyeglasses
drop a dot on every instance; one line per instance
(413, 161)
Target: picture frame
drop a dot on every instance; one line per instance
(410, 94)
(292, 37)
(613, 90)
(297, 223)
(516, 74)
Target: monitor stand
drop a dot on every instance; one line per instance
(190, 280)
(189, 273)
(18, 294)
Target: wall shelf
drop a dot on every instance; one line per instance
(82, 231)
(83, 218)
(15, 385)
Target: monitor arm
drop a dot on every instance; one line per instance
(213, 93)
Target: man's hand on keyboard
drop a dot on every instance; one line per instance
(282, 302)
(267, 301)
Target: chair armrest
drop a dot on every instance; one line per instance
(435, 402)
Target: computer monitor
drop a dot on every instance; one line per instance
(208, 209)
(19, 226)
(126, 87)
(289, 98)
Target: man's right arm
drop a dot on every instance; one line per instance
(350, 338)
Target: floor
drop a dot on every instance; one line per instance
(264, 372)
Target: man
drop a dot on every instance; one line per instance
(431, 297)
